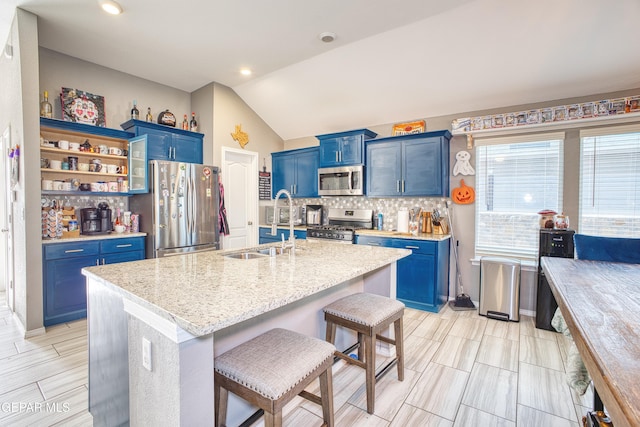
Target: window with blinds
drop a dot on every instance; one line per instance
(610, 181)
(516, 177)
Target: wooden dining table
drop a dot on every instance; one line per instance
(600, 302)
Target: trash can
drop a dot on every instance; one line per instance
(500, 288)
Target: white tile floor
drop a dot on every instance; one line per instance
(461, 370)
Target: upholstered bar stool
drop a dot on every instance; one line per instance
(368, 315)
(270, 370)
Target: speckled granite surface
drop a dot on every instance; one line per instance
(207, 292)
(397, 235)
(84, 238)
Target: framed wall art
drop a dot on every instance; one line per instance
(82, 107)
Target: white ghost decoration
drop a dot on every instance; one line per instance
(462, 165)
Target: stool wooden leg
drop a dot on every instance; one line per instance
(361, 344)
(370, 371)
(331, 332)
(326, 394)
(220, 405)
(273, 420)
(399, 338)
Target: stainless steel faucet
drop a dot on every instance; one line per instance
(292, 238)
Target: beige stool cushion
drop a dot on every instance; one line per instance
(273, 363)
(365, 309)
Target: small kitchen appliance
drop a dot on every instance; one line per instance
(95, 220)
(342, 225)
(553, 243)
(341, 181)
(314, 215)
(282, 215)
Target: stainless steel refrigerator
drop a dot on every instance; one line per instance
(180, 212)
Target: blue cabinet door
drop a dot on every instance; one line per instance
(351, 149)
(384, 169)
(419, 168)
(416, 281)
(422, 278)
(330, 153)
(422, 174)
(265, 235)
(284, 172)
(296, 171)
(159, 145)
(342, 151)
(187, 149)
(64, 286)
(65, 291)
(307, 173)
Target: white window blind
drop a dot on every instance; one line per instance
(516, 177)
(610, 181)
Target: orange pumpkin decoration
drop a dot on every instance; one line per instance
(463, 195)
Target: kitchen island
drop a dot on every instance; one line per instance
(155, 325)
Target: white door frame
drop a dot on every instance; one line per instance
(252, 191)
(6, 222)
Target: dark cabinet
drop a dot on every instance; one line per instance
(167, 143)
(408, 165)
(265, 235)
(296, 171)
(344, 148)
(64, 288)
(422, 279)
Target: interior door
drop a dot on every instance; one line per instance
(6, 224)
(240, 180)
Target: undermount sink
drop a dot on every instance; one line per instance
(259, 253)
(246, 255)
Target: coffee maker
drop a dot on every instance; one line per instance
(314, 214)
(95, 220)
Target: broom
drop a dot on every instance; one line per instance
(462, 301)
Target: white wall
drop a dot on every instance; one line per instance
(119, 89)
(19, 109)
(228, 111)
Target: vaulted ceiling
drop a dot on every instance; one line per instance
(390, 61)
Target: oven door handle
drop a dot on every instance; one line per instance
(350, 180)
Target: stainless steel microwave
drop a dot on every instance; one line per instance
(341, 181)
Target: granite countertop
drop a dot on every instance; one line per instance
(398, 235)
(86, 238)
(206, 292)
(299, 227)
(380, 233)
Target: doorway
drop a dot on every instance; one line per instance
(6, 224)
(240, 180)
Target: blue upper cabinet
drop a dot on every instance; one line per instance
(296, 171)
(167, 143)
(344, 148)
(408, 165)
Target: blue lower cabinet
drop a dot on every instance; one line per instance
(422, 278)
(64, 286)
(265, 235)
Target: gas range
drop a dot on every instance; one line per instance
(342, 225)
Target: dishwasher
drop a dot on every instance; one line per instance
(500, 288)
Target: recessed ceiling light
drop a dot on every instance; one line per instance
(245, 71)
(327, 36)
(111, 7)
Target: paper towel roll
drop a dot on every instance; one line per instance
(403, 221)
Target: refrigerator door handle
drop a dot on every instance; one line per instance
(194, 205)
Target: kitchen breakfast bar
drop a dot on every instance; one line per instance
(156, 325)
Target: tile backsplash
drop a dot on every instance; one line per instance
(87, 201)
(388, 206)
